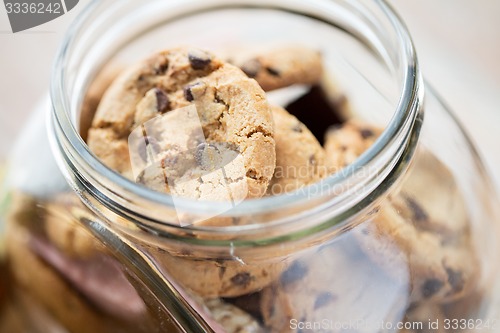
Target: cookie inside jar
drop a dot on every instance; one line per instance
(230, 128)
(271, 122)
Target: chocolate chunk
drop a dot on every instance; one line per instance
(161, 100)
(208, 156)
(366, 133)
(161, 68)
(272, 71)
(455, 279)
(431, 287)
(323, 299)
(419, 213)
(188, 93)
(251, 173)
(251, 68)
(242, 279)
(294, 273)
(199, 59)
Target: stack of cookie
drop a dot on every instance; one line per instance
(173, 121)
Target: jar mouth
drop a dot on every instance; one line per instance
(124, 195)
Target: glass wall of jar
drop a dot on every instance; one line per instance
(402, 237)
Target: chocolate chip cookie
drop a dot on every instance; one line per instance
(219, 275)
(411, 231)
(439, 272)
(300, 159)
(283, 66)
(327, 288)
(231, 108)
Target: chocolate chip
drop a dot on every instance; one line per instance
(431, 287)
(188, 93)
(419, 213)
(251, 173)
(161, 100)
(161, 68)
(251, 67)
(207, 156)
(199, 59)
(272, 71)
(323, 299)
(294, 273)
(455, 279)
(366, 133)
(242, 279)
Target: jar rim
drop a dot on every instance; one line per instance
(127, 192)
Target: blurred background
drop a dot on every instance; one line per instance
(457, 43)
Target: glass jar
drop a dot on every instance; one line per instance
(404, 239)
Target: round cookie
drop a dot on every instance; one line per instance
(438, 272)
(281, 67)
(300, 159)
(441, 210)
(411, 230)
(231, 108)
(219, 276)
(329, 287)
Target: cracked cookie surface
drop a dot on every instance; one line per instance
(231, 108)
